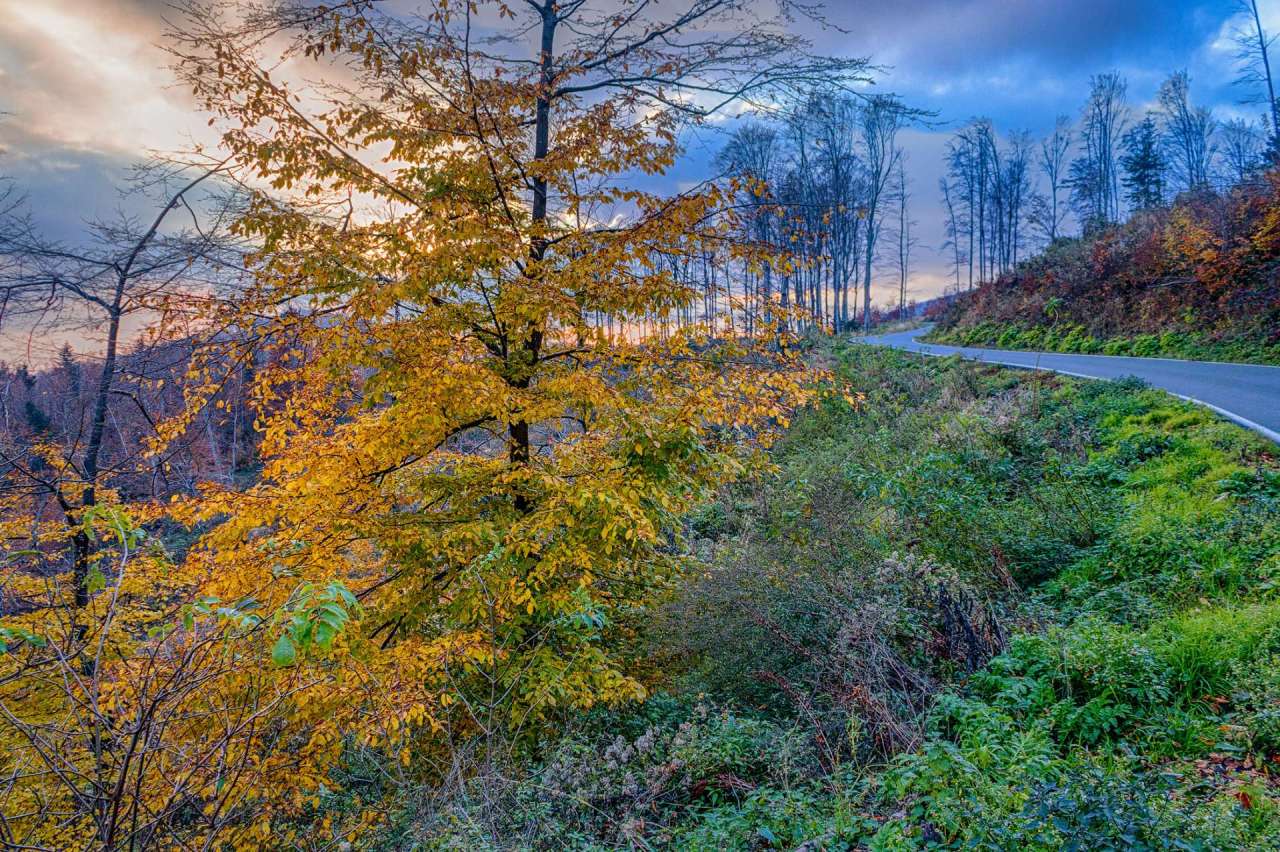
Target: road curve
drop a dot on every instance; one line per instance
(1248, 394)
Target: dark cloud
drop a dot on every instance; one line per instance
(961, 36)
(89, 94)
(65, 187)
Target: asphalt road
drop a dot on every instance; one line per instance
(1248, 394)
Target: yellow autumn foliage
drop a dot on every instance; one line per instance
(471, 483)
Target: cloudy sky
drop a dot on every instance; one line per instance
(87, 93)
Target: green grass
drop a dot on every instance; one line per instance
(1067, 337)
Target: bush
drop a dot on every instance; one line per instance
(975, 611)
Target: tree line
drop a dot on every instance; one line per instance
(1003, 197)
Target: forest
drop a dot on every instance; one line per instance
(416, 471)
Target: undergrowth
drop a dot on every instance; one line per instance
(981, 609)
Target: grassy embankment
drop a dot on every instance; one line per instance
(1067, 337)
(983, 609)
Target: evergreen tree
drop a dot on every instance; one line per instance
(70, 367)
(1144, 165)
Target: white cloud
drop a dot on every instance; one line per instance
(90, 77)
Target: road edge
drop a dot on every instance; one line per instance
(1257, 428)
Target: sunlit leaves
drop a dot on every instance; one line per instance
(476, 438)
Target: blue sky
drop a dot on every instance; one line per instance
(1021, 62)
(87, 91)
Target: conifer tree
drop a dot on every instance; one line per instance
(1144, 165)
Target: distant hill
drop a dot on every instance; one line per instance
(1197, 279)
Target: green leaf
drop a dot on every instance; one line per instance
(96, 581)
(325, 634)
(284, 654)
(332, 614)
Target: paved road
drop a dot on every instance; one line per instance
(1249, 394)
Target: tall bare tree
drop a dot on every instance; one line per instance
(752, 156)
(1094, 175)
(964, 155)
(123, 268)
(1188, 132)
(882, 118)
(1052, 161)
(954, 226)
(1242, 150)
(904, 228)
(844, 181)
(1253, 44)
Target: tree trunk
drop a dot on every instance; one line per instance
(530, 345)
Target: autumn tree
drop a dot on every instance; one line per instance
(444, 209)
(109, 720)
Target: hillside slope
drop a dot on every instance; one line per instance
(983, 609)
(1199, 279)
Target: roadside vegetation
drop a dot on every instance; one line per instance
(452, 473)
(1191, 280)
(979, 609)
(1073, 337)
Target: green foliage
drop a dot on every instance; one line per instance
(979, 610)
(1204, 648)
(13, 636)
(1074, 337)
(311, 619)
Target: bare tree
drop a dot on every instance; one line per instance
(954, 227)
(1188, 132)
(992, 181)
(882, 118)
(1242, 147)
(1254, 52)
(906, 239)
(1053, 165)
(123, 268)
(846, 182)
(752, 157)
(1012, 195)
(813, 206)
(964, 155)
(1094, 175)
